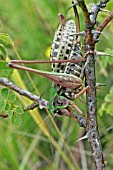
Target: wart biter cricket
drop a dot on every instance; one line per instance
(67, 66)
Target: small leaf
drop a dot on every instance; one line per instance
(102, 109)
(6, 39)
(8, 107)
(111, 91)
(2, 104)
(4, 70)
(3, 52)
(4, 92)
(12, 98)
(108, 98)
(104, 61)
(16, 119)
(19, 110)
(10, 113)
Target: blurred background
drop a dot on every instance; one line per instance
(50, 144)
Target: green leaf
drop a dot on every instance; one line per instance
(111, 91)
(109, 97)
(8, 107)
(19, 110)
(3, 52)
(5, 71)
(16, 119)
(4, 92)
(12, 98)
(102, 109)
(109, 109)
(10, 113)
(2, 104)
(6, 39)
(104, 61)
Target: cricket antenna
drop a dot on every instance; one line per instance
(32, 130)
(73, 4)
(44, 91)
(78, 38)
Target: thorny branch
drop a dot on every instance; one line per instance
(90, 78)
(42, 103)
(95, 10)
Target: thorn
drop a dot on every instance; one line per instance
(76, 3)
(98, 54)
(84, 137)
(105, 10)
(96, 32)
(78, 33)
(98, 85)
(40, 102)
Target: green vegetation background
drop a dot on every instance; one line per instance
(31, 24)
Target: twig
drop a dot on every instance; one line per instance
(81, 120)
(30, 107)
(25, 93)
(95, 10)
(3, 115)
(102, 26)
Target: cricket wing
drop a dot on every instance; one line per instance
(65, 80)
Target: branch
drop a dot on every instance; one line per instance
(30, 107)
(95, 10)
(40, 102)
(86, 15)
(102, 26)
(81, 120)
(90, 80)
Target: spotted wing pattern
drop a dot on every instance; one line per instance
(64, 47)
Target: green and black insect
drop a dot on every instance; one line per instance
(65, 47)
(67, 66)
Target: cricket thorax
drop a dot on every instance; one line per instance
(64, 47)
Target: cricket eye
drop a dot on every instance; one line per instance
(59, 102)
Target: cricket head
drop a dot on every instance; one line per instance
(56, 101)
